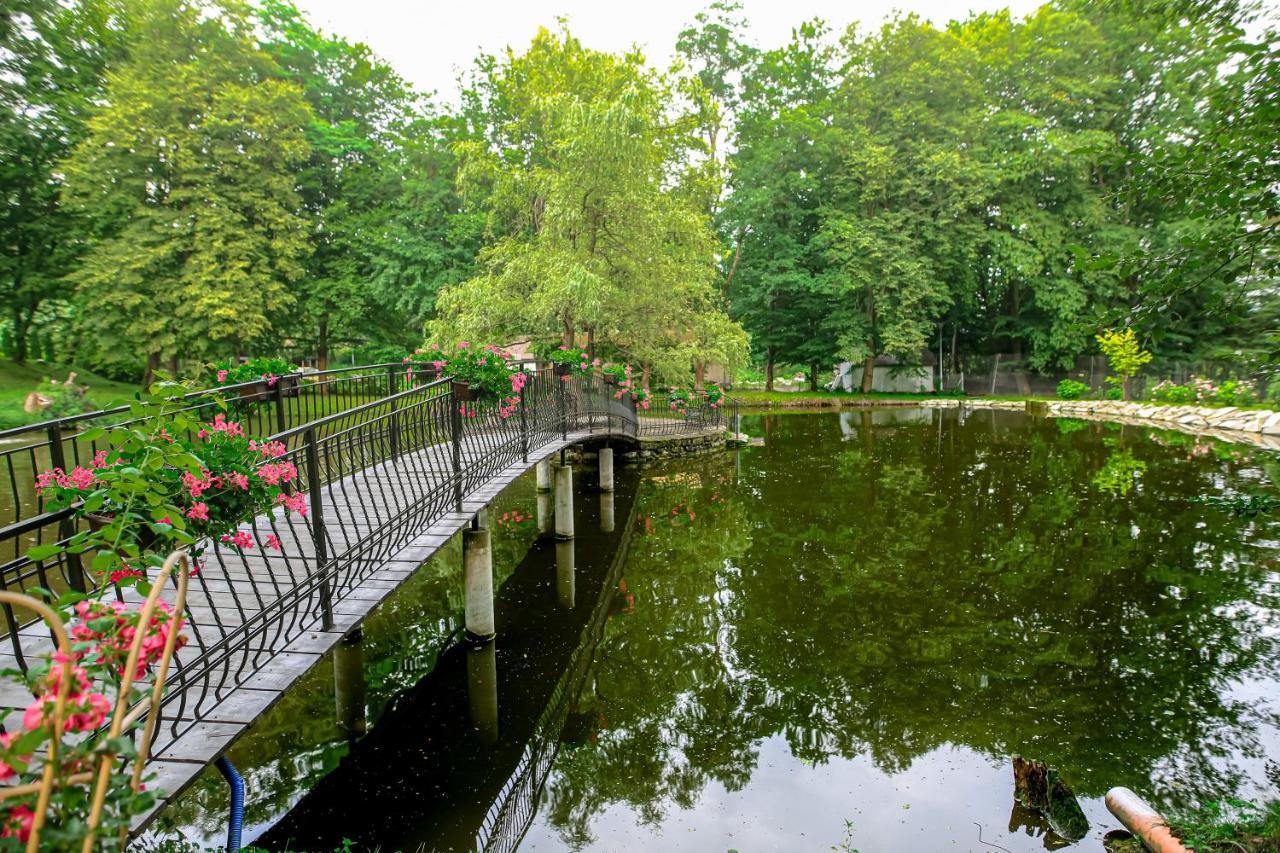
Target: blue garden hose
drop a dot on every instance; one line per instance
(235, 822)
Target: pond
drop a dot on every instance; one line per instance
(836, 640)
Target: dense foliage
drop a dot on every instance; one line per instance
(202, 179)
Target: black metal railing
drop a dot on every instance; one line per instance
(377, 475)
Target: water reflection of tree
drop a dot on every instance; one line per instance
(888, 596)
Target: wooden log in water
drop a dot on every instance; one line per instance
(1038, 787)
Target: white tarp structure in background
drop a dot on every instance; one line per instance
(900, 378)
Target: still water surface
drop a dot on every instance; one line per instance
(836, 640)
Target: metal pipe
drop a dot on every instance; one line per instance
(1143, 821)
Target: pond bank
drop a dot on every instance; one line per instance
(1258, 427)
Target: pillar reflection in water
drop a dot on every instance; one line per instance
(348, 683)
(606, 512)
(564, 501)
(482, 690)
(564, 573)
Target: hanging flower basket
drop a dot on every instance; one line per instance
(561, 368)
(464, 393)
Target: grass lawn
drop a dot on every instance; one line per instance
(19, 380)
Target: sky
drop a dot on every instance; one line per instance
(428, 42)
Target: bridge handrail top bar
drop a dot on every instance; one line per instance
(42, 426)
(300, 429)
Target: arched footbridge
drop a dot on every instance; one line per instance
(393, 469)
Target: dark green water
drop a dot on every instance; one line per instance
(835, 640)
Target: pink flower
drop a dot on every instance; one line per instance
(6, 770)
(124, 574)
(273, 542)
(271, 379)
(240, 539)
(222, 376)
(237, 479)
(199, 511)
(296, 502)
(99, 459)
(19, 823)
(463, 344)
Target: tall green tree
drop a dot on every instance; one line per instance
(577, 166)
(52, 60)
(782, 180)
(187, 177)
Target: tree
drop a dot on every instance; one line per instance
(781, 180)
(52, 58)
(370, 165)
(907, 106)
(1125, 355)
(576, 165)
(186, 176)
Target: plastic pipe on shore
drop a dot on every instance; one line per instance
(1143, 821)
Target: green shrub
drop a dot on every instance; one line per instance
(1168, 391)
(1236, 392)
(1114, 394)
(1070, 389)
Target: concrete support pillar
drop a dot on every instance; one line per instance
(348, 683)
(565, 584)
(544, 513)
(606, 469)
(477, 570)
(564, 501)
(606, 512)
(544, 475)
(482, 690)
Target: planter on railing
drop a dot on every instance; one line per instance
(290, 385)
(562, 368)
(253, 392)
(464, 393)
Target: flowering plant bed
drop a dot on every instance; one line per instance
(154, 492)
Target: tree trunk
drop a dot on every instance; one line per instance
(149, 375)
(173, 366)
(591, 343)
(699, 374)
(566, 334)
(644, 376)
(322, 353)
(21, 325)
(868, 374)
(768, 369)
(1024, 382)
(813, 376)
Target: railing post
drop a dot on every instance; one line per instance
(66, 527)
(395, 414)
(564, 406)
(317, 526)
(524, 424)
(455, 421)
(281, 426)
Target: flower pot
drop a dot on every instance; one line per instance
(463, 393)
(562, 368)
(609, 379)
(254, 392)
(290, 386)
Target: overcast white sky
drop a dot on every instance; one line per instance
(429, 41)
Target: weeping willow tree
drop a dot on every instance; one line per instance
(577, 164)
